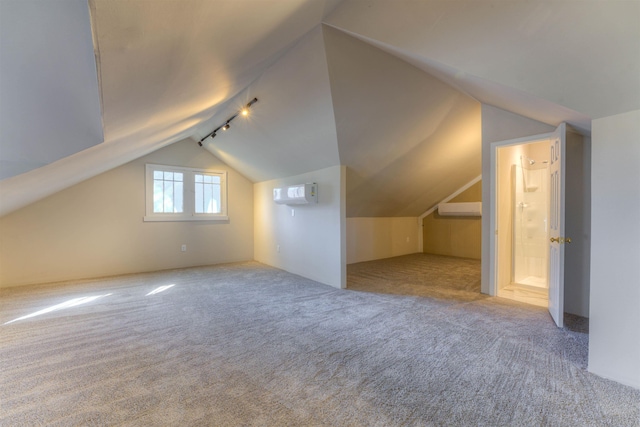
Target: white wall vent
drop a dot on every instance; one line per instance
(300, 194)
(460, 209)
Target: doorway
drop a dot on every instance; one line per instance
(568, 219)
(522, 221)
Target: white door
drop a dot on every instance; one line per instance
(556, 224)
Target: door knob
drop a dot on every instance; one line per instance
(561, 240)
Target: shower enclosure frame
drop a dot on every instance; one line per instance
(493, 220)
(530, 230)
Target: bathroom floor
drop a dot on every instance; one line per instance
(530, 294)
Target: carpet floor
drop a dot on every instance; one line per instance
(410, 343)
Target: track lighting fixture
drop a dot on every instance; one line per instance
(226, 125)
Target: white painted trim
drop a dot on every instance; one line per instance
(493, 201)
(189, 213)
(445, 200)
(175, 217)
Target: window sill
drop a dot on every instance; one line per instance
(184, 218)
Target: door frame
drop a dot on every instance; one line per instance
(493, 202)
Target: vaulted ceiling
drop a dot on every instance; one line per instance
(390, 89)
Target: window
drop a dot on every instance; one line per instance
(167, 191)
(207, 193)
(185, 194)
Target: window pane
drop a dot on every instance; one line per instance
(157, 174)
(207, 194)
(207, 198)
(168, 196)
(177, 199)
(157, 196)
(216, 196)
(214, 204)
(199, 197)
(177, 176)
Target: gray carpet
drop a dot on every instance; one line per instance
(248, 345)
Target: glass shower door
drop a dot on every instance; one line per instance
(530, 227)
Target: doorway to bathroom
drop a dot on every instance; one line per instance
(523, 209)
(525, 173)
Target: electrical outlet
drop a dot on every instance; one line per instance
(278, 248)
(183, 248)
(293, 212)
(407, 239)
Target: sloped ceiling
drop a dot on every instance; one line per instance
(291, 130)
(172, 69)
(164, 62)
(584, 56)
(408, 140)
(487, 91)
(49, 98)
(164, 67)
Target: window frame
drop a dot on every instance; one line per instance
(188, 197)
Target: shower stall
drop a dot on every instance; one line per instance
(522, 226)
(530, 229)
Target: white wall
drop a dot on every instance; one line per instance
(95, 228)
(377, 238)
(311, 243)
(498, 125)
(577, 255)
(614, 330)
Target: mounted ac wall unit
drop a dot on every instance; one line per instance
(460, 209)
(300, 194)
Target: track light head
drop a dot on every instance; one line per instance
(245, 109)
(244, 112)
(213, 135)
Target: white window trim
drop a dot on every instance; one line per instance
(188, 197)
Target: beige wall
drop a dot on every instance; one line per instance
(454, 236)
(377, 238)
(95, 228)
(304, 239)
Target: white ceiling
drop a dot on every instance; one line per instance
(291, 130)
(164, 68)
(49, 99)
(171, 69)
(408, 140)
(584, 56)
(488, 92)
(178, 61)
